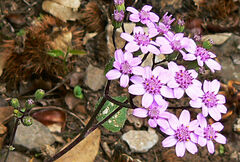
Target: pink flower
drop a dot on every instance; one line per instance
(118, 15)
(156, 114)
(167, 20)
(181, 133)
(182, 80)
(208, 133)
(139, 40)
(124, 65)
(175, 42)
(204, 56)
(210, 101)
(144, 16)
(157, 28)
(151, 86)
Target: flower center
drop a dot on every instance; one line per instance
(153, 112)
(176, 44)
(209, 133)
(144, 15)
(142, 39)
(125, 68)
(161, 28)
(183, 78)
(152, 85)
(209, 99)
(203, 53)
(182, 133)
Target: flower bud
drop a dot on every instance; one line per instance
(27, 121)
(15, 103)
(29, 104)
(39, 94)
(118, 17)
(17, 113)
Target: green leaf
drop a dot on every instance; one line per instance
(172, 56)
(221, 150)
(78, 92)
(116, 122)
(21, 32)
(109, 66)
(207, 44)
(56, 53)
(192, 65)
(77, 52)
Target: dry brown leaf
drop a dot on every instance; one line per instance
(5, 113)
(85, 151)
(3, 134)
(69, 3)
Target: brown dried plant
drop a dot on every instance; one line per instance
(33, 62)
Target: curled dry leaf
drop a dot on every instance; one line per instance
(50, 117)
(3, 134)
(85, 151)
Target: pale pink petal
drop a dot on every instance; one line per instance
(184, 118)
(136, 79)
(146, 8)
(196, 103)
(189, 45)
(119, 56)
(213, 65)
(153, 49)
(193, 73)
(147, 100)
(202, 120)
(153, 32)
(132, 47)
(165, 114)
(173, 84)
(162, 41)
(180, 149)
(135, 61)
(202, 141)
(162, 123)
(197, 83)
(206, 86)
(193, 125)
(134, 18)
(153, 17)
(210, 146)
(137, 70)
(222, 108)
(191, 147)
(166, 49)
(127, 37)
(144, 49)
(214, 113)
(215, 86)
(217, 126)
(220, 138)
(117, 65)
(140, 112)
(124, 80)
(156, 71)
(173, 121)
(113, 74)
(137, 30)
(136, 89)
(147, 72)
(199, 131)
(164, 76)
(128, 56)
(199, 61)
(168, 131)
(212, 55)
(172, 66)
(132, 10)
(204, 111)
(169, 141)
(167, 92)
(152, 123)
(188, 57)
(160, 101)
(193, 91)
(221, 99)
(194, 137)
(178, 92)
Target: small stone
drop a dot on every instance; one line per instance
(236, 126)
(95, 78)
(235, 156)
(16, 156)
(140, 141)
(218, 38)
(33, 137)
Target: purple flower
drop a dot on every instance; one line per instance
(156, 114)
(118, 16)
(177, 42)
(208, 133)
(209, 100)
(204, 56)
(157, 28)
(181, 22)
(151, 86)
(139, 40)
(118, 2)
(167, 20)
(182, 80)
(181, 133)
(124, 65)
(144, 16)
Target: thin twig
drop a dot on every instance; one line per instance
(113, 38)
(117, 102)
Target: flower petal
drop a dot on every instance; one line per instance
(128, 56)
(215, 114)
(202, 141)
(222, 108)
(127, 37)
(180, 149)
(134, 18)
(221, 99)
(140, 112)
(124, 80)
(191, 147)
(147, 72)
(210, 146)
(202, 120)
(144, 49)
(113, 74)
(162, 123)
(137, 70)
(153, 17)
(136, 79)
(173, 121)
(167, 92)
(178, 93)
(215, 86)
(193, 125)
(206, 86)
(132, 10)
(153, 49)
(220, 138)
(147, 100)
(135, 61)
(184, 118)
(152, 123)
(197, 103)
(204, 111)
(119, 56)
(213, 65)
(169, 141)
(146, 8)
(199, 131)
(137, 30)
(194, 137)
(132, 47)
(136, 89)
(217, 126)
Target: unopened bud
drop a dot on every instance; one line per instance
(17, 113)
(39, 94)
(27, 121)
(118, 17)
(29, 104)
(15, 103)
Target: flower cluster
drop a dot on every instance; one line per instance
(157, 84)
